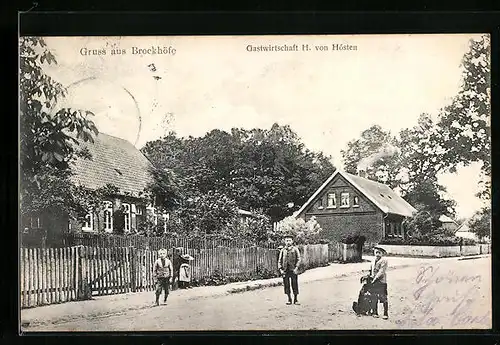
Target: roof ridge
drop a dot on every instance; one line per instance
(114, 137)
(368, 180)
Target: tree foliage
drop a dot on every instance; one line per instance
(374, 153)
(207, 213)
(47, 132)
(422, 223)
(480, 223)
(408, 162)
(48, 135)
(302, 231)
(257, 228)
(461, 135)
(465, 125)
(270, 170)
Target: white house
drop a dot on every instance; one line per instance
(464, 231)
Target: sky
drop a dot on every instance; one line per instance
(328, 97)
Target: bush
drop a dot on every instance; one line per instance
(422, 223)
(218, 278)
(256, 229)
(480, 223)
(304, 232)
(352, 239)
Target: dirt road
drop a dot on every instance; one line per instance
(452, 294)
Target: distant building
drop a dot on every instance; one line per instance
(464, 231)
(350, 204)
(447, 223)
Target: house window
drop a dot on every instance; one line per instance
(388, 229)
(344, 200)
(320, 203)
(108, 216)
(139, 211)
(355, 201)
(127, 216)
(35, 223)
(399, 230)
(332, 201)
(88, 224)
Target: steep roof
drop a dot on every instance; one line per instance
(114, 161)
(387, 200)
(463, 228)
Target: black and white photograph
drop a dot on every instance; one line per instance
(255, 183)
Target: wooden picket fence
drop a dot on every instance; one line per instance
(314, 255)
(57, 275)
(341, 252)
(48, 276)
(41, 238)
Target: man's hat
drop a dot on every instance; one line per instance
(380, 248)
(288, 235)
(187, 257)
(365, 279)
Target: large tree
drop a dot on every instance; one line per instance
(460, 136)
(375, 153)
(420, 164)
(48, 135)
(270, 170)
(480, 223)
(408, 162)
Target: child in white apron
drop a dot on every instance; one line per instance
(185, 271)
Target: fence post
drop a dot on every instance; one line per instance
(82, 279)
(133, 269)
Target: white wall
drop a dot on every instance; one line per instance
(436, 251)
(467, 234)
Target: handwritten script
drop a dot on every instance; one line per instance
(445, 299)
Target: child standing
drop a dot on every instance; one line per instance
(185, 272)
(162, 271)
(176, 263)
(288, 264)
(379, 281)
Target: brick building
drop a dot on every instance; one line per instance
(350, 204)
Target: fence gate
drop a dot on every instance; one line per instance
(106, 270)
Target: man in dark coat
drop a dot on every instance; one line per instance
(288, 265)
